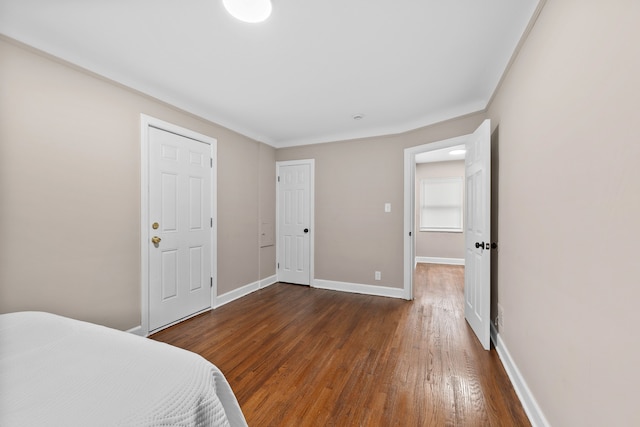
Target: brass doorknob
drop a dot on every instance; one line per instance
(155, 240)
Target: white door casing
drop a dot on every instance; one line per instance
(178, 193)
(295, 221)
(477, 276)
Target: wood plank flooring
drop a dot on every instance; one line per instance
(298, 356)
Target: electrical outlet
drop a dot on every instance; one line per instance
(500, 319)
(378, 275)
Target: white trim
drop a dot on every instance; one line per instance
(437, 260)
(312, 210)
(145, 123)
(494, 336)
(439, 117)
(268, 281)
(197, 313)
(136, 331)
(237, 293)
(356, 288)
(529, 403)
(410, 204)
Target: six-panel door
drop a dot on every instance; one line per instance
(180, 205)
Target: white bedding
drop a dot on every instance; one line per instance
(56, 371)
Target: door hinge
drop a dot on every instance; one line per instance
(211, 222)
(409, 234)
(211, 282)
(211, 161)
(278, 266)
(278, 178)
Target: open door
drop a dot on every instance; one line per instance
(477, 275)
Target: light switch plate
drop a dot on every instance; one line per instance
(387, 207)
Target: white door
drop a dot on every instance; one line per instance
(294, 222)
(180, 223)
(477, 285)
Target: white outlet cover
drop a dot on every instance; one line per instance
(387, 207)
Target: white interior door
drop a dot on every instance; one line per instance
(294, 222)
(477, 285)
(180, 223)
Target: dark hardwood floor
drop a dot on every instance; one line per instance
(298, 356)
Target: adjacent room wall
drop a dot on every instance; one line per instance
(70, 192)
(354, 179)
(267, 210)
(437, 244)
(569, 269)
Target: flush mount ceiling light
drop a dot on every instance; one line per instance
(457, 152)
(251, 11)
(358, 116)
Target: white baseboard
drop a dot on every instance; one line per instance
(236, 293)
(494, 335)
(137, 331)
(244, 290)
(221, 300)
(356, 288)
(436, 260)
(529, 403)
(268, 281)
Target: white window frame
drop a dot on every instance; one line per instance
(441, 204)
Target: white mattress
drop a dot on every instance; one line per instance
(56, 371)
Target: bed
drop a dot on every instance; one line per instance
(56, 371)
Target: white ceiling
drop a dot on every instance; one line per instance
(441, 155)
(299, 77)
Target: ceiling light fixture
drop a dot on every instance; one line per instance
(358, 116)
(457, 152)
(251, 11)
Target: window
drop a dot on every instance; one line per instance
(441, 204)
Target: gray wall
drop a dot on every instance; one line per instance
(70, 192)
(568, 272)
(354, 179)
(435, 243)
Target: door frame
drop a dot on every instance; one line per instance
(147, 122)
(410, 204)
(312, 174)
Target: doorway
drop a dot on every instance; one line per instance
(477, 223)
(410, 202)
(439, 228)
